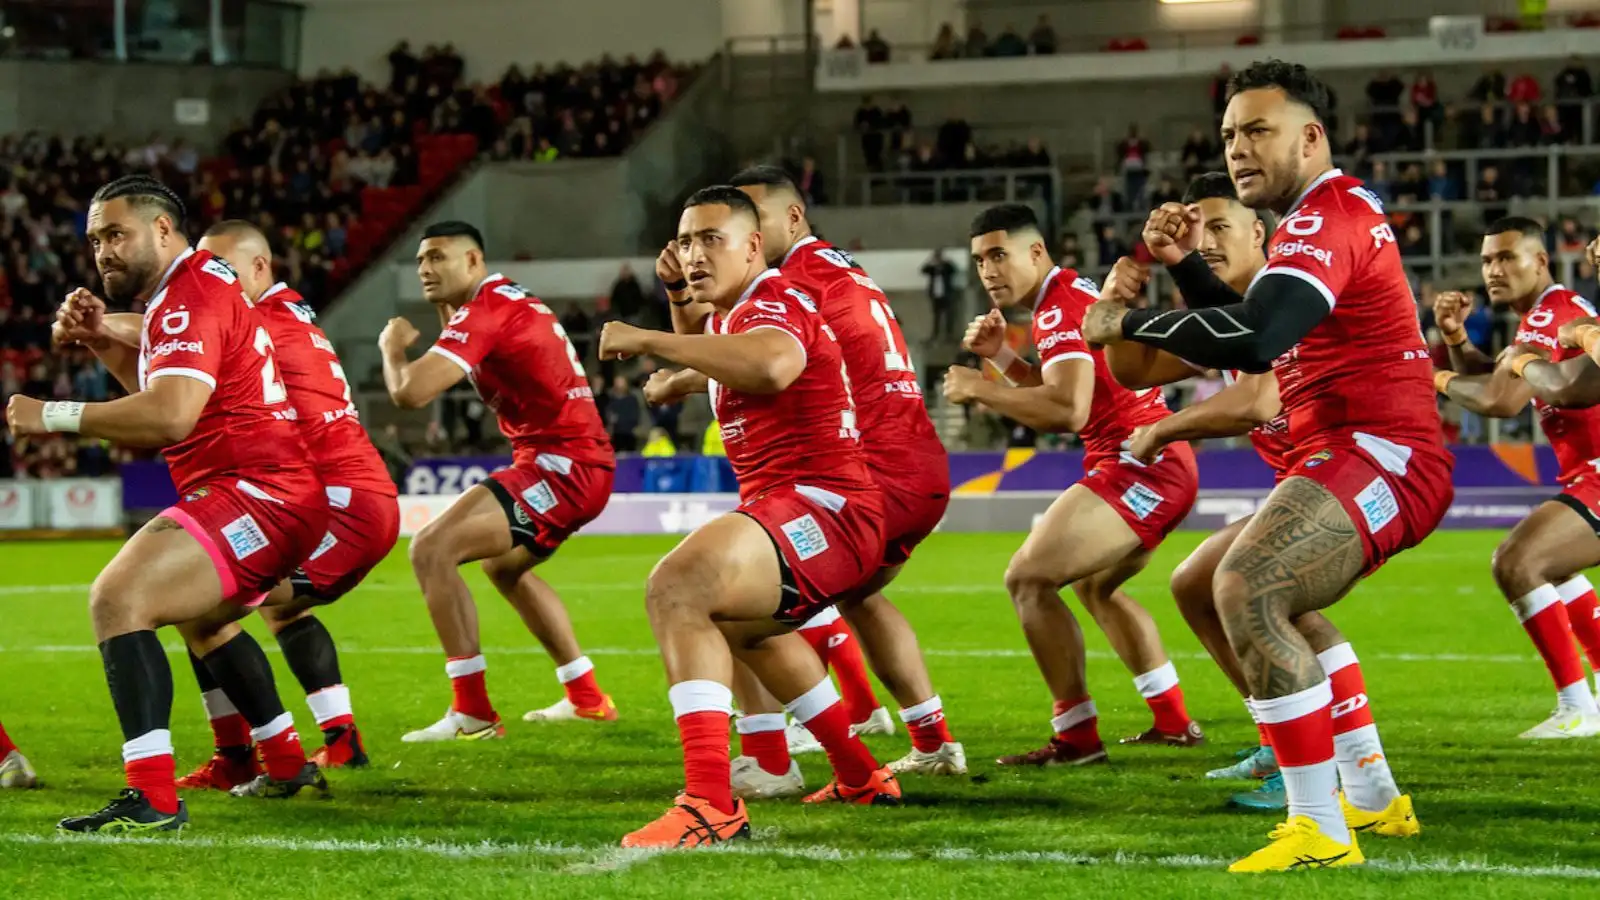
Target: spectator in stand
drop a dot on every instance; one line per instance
(1441, 184)
(1104, 202)
(1133, 155)
(977, 45)
(941, 274)
(1490, 87)
(627, 296)
(1071, 254)
(1164, 192)
(897, 121)
(1487, 132)
(1043, 37)
(1573, 86)
(1550, 130)
(1412, 187)
(1009, 43)
(1379, 183)
(1362, 146)
(1524, 130)
(1409, 137)
(869, 124)
(1111, 246)
(1524, 89)
(811, 183)
(951, 143)
(1383, 93)
(1585, 283)
(580, 331)
(945, 45)
(1425, 99)
(877, 48)
(1413, 241)
(1490, 193)
(1572, 237)
(1197, 154)
(624, 415)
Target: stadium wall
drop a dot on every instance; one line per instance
(130, 101)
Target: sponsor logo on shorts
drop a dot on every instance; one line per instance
(244, 536)
(1378, 505)
(1141, 500)
(805, 536)
(328, 540)
(1317, 458)
(522, 515)
(837, 641)
(540, 498)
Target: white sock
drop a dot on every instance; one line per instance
(761, 722)
(217, 704)
(1313, 788)
(1157, 681)
(1364, 769)
(330, 703)
(575, 669)
(151, 743)
(926, 708)
(274, 728)
(1578, 696)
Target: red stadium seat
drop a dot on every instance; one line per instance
(1247, 40)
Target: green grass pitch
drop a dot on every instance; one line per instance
(1452, 679)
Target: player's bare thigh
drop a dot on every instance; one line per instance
(161, 576)
(1079, 535)
(1300, 552)
(472, 528)
(1551, 545)
(727, 569)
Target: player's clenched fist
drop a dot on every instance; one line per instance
(961, 384)
(1173, 231)
(1146, 443)
(78, 319)
(619, 340)
(669, 269)
(1568, 335)
(1126, 281)
(1450, 311)
(25, 415)
(661, 388)
(986, 335)
(398, 334)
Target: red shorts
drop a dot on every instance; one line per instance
(830, 544)
(548, 501)
(1583, 497)
(256, 531)
(362, 529)
(1153, 499)
(1396, 495)
(914, 502)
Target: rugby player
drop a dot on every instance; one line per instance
(1101, 531)
(1538, 567)
(15, 772)
(519, 358)
(1212, 232)
(906, 458)
(808, 530)
(1369, 476)
(205, 388)
(363, 525)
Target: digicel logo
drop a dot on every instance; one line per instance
(167, 348)
(1301, 248)
(1058, 337)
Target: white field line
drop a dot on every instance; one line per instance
(609, 859)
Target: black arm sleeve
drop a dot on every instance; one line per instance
(1201, 288)
(1278, 311)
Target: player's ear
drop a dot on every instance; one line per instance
(1258, 232)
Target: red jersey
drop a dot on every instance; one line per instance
(889, 405)
(329, 425)
(806, 433)
(1058, 336)
(200, 325)
(517, 354)
(1574, 433)
(1270, 440)
(1365, 368)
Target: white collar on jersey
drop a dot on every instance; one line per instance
(1325, 176)
(752, 288)
(276, 288)
(808, 239)
(1045, 286)
(1547, 292)
(160, 293)
(486, 279)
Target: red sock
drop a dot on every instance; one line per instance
(705, 758)
(5, 743)
(1545, 618)
(154, 775)
(1266, 739)
(1077, 724)
(584, 691)
(1171, 716)
(839, 650)
(770, 749)
(927, 725)
(470, 689)
(281, 754)
(341, 721)
(1350, 709)
(231, 731)
(1583, 616)
(853, 763)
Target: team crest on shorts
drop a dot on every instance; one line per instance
(1318, 458)
(196, 495)
(244, 536)
(1141, 500)
(805, 536)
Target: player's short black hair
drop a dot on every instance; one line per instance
(764, 176)
(1528, 228)
(1211, 186)
(1293, 79)
(237, 228)
(725, 195)
(451, 228)
(1007, 217)
(143, 191)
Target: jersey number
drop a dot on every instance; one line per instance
(572, 352)
(338, 374)
(896, 357)
(272, 389)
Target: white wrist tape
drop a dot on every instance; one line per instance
(62, 416)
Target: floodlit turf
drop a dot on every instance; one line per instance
(1452, 679)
